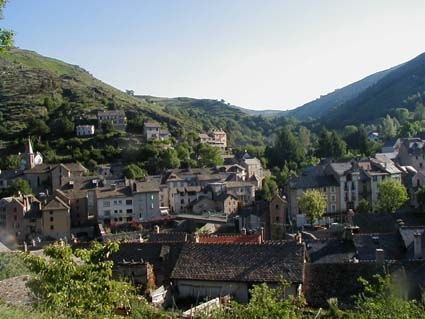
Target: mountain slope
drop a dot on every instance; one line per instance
(403, 87)
(36, 87)
(33, 86)
(319, 107)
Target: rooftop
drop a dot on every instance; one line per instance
(241, 262)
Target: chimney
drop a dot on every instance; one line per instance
(261, 239)
(417, 245)
(380, 256)
(156, 229)
(243, 231)
(348, 233)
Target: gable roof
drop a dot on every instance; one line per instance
(266, 262)
(56, 203)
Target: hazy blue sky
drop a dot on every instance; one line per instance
(257, 54)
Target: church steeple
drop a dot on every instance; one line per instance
(30, 154)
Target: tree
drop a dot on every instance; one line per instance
(82, 289)
(6, 36)
(19, 186)
(38, 127)
(383, 300)
(331, 145)
(10, 162)
(313, 204)
(286, 149)
(134, 171)
(208, 155)
(363, 206)
(391, 195)
(389, 127)
(269, 188)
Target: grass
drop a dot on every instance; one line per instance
(12, 265)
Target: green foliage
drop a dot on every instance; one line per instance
(286, 149)
(10, 162)
(19, 186)
(331, 145)
(363, 206)
(383, 300)
(83, 289)
(134, 171)
(270, 188)
(6, 36)
(312, 203)
(389, 127)
(392, 195)
(265, 302)
(38, 127)
(208, 155)
(12, 265)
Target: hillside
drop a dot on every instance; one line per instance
(36, 87)
(402, 87)
(319, 107)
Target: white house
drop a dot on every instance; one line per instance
(84, 130)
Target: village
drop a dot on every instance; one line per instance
(195, 234)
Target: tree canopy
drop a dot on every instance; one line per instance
(6, 36)
(392, 195)
(313, 204)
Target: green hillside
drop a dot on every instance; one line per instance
(36, 87)
(403, 87)
(319, 107)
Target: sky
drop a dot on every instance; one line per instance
(258, 54)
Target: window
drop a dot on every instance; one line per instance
(51, 219)
(333, 198)
(277, 219)
(333, 189)
(106, 213)
(421, 165)
(129, 211)
(182, 201)
(51, 212)
(115, 202)
(333, 208)
(129, 202)
(119, 202)
(277, 206)
(106, 203)
(52, 227)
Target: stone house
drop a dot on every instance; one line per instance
(214, 270)
(278, 212)
(20, 217)
(412, 153)
(153, 131)
(225, 203)
(56, 219)
(84, 130)
(116, 117)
